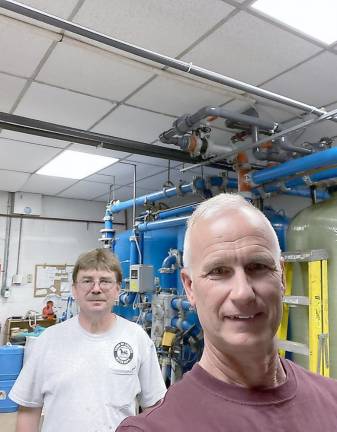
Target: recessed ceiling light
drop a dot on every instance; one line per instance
(75, 165)
(316, 18)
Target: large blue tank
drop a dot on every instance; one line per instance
(280, 224)
(11, 360)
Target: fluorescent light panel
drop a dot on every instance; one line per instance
(316, 18)
(75, 165)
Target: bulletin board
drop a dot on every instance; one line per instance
(52, 279)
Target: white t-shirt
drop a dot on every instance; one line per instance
(87, 382)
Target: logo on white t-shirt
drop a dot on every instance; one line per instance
(123, 353)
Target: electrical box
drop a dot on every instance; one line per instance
(141, 278)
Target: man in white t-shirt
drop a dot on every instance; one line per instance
(91, 371)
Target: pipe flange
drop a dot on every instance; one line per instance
(107, 230)
(178, 188)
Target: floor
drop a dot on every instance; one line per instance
(8, 422)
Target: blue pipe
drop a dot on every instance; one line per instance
(176, 212)
(296, 166)
(157, 225)
(316, 177)
(169, 261)
(126, 298)
(183, 325)
(179, 303)
(156, 196)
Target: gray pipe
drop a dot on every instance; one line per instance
(186, 123)
(285, 145)
(155, 57)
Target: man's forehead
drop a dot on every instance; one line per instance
(95, 272)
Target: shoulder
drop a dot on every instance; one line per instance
(132, 329)
(174, 401)
(305, 377)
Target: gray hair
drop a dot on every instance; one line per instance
(206, 209)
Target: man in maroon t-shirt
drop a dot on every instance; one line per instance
(233, 276)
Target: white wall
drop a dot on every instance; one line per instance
(46, 241)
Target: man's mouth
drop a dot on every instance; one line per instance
(241, 317)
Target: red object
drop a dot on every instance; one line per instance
(48, 311)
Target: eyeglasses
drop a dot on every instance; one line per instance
(89, 284)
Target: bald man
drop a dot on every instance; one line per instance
(233, 276)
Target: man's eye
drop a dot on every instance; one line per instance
(257, 268)
(219, 271)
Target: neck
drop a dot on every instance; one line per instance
(97, 324)
(251, 370)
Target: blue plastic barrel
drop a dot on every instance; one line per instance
(6, 404)
(11, 358)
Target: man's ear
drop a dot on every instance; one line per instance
(187, 282)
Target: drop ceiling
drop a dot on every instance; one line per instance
(49, 75)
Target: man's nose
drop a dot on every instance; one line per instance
(96, 288)
(242, 291)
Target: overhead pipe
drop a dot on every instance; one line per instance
(187, 123)
(284, 144)
(65, 133)
(155, 57)
(178, 211)
(295, 167)
(241, 147)
(261, 154)
(160, 224)
(197, 184)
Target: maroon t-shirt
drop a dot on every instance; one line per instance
(305, 402)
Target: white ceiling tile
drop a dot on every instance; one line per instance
(12, 181)
(34, 139)
(313, 82)
(21, 47)
(98, 151)
(155, 183)
(61, 106)
(19, 156)
(152, 161)
(85, 190)
(134, 124)
(10, 88)
(60, 8)
(249, 49)
(102, 178)
(123, 172)
(126, 193)
(268, 110)
(175, 97)
(46, 185)
(92, 71)
(164, 26)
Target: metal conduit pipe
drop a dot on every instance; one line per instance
(295, 167)
(155, 57)
(285, 145)
(261, 154)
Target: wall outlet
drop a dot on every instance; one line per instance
(29, 278)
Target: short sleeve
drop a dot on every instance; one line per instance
(150, 377)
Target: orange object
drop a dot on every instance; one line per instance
(243, 168)
(48, 311)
